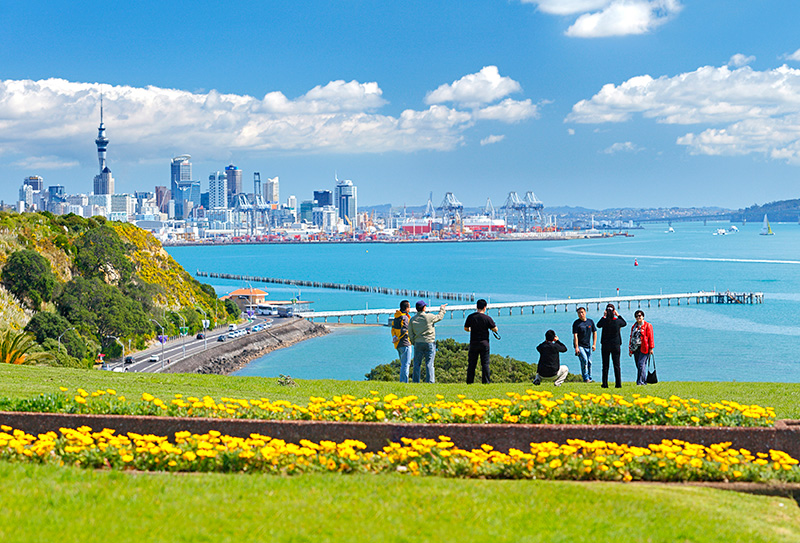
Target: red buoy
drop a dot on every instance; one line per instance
(635, 262)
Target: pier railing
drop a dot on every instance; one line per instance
(520, 308)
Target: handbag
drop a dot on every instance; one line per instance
(652, 378)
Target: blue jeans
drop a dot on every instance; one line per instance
(427, 351)
(405, 362)
(585, 356)
(641, 366)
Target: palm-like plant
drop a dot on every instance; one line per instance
(17, 348)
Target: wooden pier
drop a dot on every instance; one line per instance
(520, 308)
(411, 293)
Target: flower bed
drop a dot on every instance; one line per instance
(670, 460)
(533, 407)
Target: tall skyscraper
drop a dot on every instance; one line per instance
(323, 197)
(217, 191)
(257, 183)
(182, 188)
(35, 181)
(346, 200)
(272, 190)
(234, 175)
(104, 181)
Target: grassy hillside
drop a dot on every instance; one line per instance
(94, 280)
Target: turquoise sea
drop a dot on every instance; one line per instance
(699, 342)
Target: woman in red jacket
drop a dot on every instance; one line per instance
(641, 345)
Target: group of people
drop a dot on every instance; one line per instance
(584, 339)
(419, 332)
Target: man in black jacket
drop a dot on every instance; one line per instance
(610, 341)
(550, 367)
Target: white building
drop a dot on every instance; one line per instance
(218, 190)
(271, 190)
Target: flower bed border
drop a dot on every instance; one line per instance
(783, 436)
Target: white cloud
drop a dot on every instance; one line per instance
(492, 139)
(45, 163)
(793, 56)
(738, 60)
(509, 111)
(622, 147)
(571, 131)
(474, 90)
(605, 18)
(54, 118)
(744, 110)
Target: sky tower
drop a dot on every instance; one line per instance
(101, 141)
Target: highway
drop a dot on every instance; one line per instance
(178, 349)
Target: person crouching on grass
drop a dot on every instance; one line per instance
(550, 367)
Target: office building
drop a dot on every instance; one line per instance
(323, 197)
(181, 185)
(217, 190)
(163, 196)
(271, 190)
(35, 181)
(306, 212)
(346, 200)
(234, 176)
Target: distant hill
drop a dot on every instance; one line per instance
(780, 211)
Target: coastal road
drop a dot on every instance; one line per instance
(178, 349)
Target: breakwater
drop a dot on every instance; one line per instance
(227, 357)
(411, 293)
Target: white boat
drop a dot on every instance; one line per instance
(733, 229)
(765, 228)
(721, 232)
(669, 230)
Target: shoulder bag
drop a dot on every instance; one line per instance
(652, 378)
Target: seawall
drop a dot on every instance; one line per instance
(226, 357)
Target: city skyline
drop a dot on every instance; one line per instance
(592, 103)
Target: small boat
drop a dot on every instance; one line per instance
(733, 229)
(721, 232)
(669, 230)
(765, 228)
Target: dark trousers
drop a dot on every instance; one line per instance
(478, 349)
(613, 353)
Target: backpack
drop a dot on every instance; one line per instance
(397, 329)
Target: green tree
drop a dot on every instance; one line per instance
(232, 309)
(28, 276)
(101, 253)
(102, 309)
(46, 325)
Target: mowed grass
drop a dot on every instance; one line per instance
(52, 503)
(29, 381)
(48, 503)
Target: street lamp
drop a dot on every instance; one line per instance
(121, 345)
(183, 336)
(62, 334)
(205, 321)
(161, 340)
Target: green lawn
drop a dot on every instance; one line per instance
(47, 503)
(28, 381)
(50, 503)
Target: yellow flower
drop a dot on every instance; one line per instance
(127, 458)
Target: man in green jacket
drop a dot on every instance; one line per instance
(422, 335)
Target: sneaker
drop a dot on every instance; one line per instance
(589, 380)
(537, 381)
(556, 384)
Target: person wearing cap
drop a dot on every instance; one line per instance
(479, 324)
(584, 339)
(610, 343)
(550, 367)
(422, 335)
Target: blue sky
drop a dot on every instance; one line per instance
(594, 103)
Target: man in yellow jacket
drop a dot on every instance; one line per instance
(400, 338)
(422, 335)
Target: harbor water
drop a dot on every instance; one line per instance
(727, 342)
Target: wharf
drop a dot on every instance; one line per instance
(411, 293)
(511, 308)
